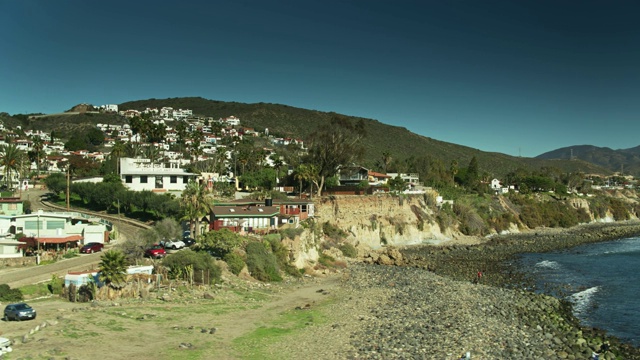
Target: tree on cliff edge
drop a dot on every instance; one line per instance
(335, 145)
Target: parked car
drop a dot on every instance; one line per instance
(90, 248)
(173, 244)
(156, 251)
(188, 241)
(19, 311)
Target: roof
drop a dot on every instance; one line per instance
(59, 239)
(244, 212)
(379, 175)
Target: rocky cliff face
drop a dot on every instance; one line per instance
(372, 222)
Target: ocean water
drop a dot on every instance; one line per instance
(601, 280)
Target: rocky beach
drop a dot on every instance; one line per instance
(429, 305)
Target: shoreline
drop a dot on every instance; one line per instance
(494, 257)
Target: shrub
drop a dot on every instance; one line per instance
(235, 262)
(221, 242)
(333, 231)
(618, 210)
(326, 260)
(281, 253)
(55, 285)
(291, 233)
(348, 250)
(71, 254)
(261, 263)
(7, 294)
(202, 265)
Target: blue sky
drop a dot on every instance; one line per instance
(516, 77)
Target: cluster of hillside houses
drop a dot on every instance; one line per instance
(55, 231)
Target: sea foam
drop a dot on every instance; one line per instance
(581, 300)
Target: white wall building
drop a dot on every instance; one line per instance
(141, 174)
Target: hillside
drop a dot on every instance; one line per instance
(63, 125)
(626, 161)
(288, 121)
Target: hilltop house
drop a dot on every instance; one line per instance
(352, 175)
(142, 174)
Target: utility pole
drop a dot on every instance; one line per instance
(68, 181)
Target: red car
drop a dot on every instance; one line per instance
(156, 252)
(91, 247)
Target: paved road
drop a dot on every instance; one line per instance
(19, 276)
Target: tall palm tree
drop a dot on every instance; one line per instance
(12, 159)
(118, 151)
(38, 147)
(386, 160)
(152, 153)
(113, 268)
(196, 201)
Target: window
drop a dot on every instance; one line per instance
(143, 179)
(185, 179)
(13, 207)
(128, 179)
(52, 225)
(33, 225)
(173, 179)
(159, 182)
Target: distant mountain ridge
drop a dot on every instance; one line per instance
(625, 161)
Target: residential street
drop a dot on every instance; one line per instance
(19, 276)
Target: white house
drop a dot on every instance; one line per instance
(497, 187)
(411, 178)
(142, 174)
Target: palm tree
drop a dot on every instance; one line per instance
(305, 172)
(152, 153)
(386, 160)
(196, 201)
(38, 147)
(118, 151)
(12, 159)
(453, 169)
(113, 269)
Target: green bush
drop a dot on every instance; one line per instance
(221, 242)
(71, 254)
(348, 250)
(55, 285)
(618, 210)
(203, 265)
(326, 260)
(291, 233)
(261, 263)
(235, 262)
(332, 231)
(281, 253)
(9, 295)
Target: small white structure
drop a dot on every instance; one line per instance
(79, 278)
(9, 246)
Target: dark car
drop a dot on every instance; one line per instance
(19, 311)
(188, 241)
(91, 247)
(156, 251)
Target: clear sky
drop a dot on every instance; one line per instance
(516, 77)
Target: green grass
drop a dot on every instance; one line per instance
(35, 290)
(286, 324)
